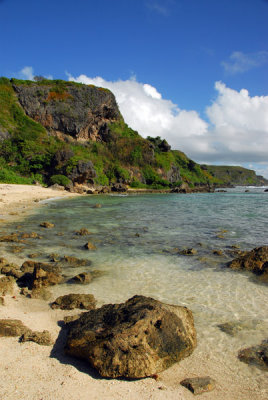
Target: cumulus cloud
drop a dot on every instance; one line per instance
(237, 131)
(27, 73)
(161, 7)
(240, 62)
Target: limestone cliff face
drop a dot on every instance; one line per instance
(81, 111)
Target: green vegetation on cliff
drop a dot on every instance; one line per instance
(57, 132)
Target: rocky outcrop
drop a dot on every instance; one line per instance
(81, 111)
(255, 261)
(83, 172)
(135, 339)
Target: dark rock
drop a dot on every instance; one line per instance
(218, 252)
(255, 261)
(12, 271)
(199, 385)
(90, 246)
(54, 257)
(6, 285)
(188, 252)
(46, 224)
(72, 301)
(135, 339)
(12, 327)
(256, 355)
(83, 172)
(42, 338)
(119, 187)
(173, 175)
(70, 318)
(265, 190)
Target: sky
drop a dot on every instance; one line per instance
(194, 72)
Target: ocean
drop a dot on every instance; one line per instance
(138, 239)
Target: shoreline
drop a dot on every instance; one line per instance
(33, 372)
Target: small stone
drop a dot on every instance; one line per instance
(218, 252)
(12, 327)
(83, 232)
(97, 205)
(199, 385)
(90, 246)
(47, 225)
(188, 252)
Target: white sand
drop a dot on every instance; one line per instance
(33, 372)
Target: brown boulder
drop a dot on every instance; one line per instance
(83, 278)
(90, 246)
(47, 224)
(255, 261)
(72, 301)
(199, 385)
(46, 275)
(138, 338)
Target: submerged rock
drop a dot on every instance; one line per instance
(83, 232)
(199, 385)
(256, 355)
(188, 252)
(72, 301)
(90, 246)
(255, 261)
(135, 339)
(75, 262)
(47, 224)
(83, 278)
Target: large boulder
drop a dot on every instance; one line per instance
(255, 261)
(138, 338)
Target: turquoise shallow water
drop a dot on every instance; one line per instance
(135, 236)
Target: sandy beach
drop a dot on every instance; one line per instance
(33, 372)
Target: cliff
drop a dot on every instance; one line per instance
(69, 133)
(234, 175)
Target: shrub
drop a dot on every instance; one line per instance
(60, 180)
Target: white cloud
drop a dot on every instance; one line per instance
(27, 73)
(161, 7)
(240, 62)
(237, 132)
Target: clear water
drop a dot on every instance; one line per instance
(135, 236)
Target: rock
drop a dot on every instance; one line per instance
(2, 301)
(13, 237)
(33, 255)
(266, 190)
(188, 252)
(47, 224)
(83, 278)
(119, 187)
(83, 172)
(138, 338)
(46, 275)
(83, 232)
(12, 327)
(256, 355)
(54, 257)
(42, 338)
(255, 261)
(233, 328)
(6, 285)
(12, 271)
(218, 252)
(199, 385)
(72, 301)
(32, 235)
(75, 262)
(90, 246)
(70, 318)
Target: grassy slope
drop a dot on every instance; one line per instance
(28, 153)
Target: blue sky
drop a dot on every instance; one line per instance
(193, 71)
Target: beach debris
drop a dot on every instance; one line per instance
(188, 252)
(83, 232)
(41, 338)
(90, 246)
(255, 261)
(6, 285)
(135, 339)
(199, 385)
(47, 224)
(256, 355)
(12, 327)
(73, 300)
